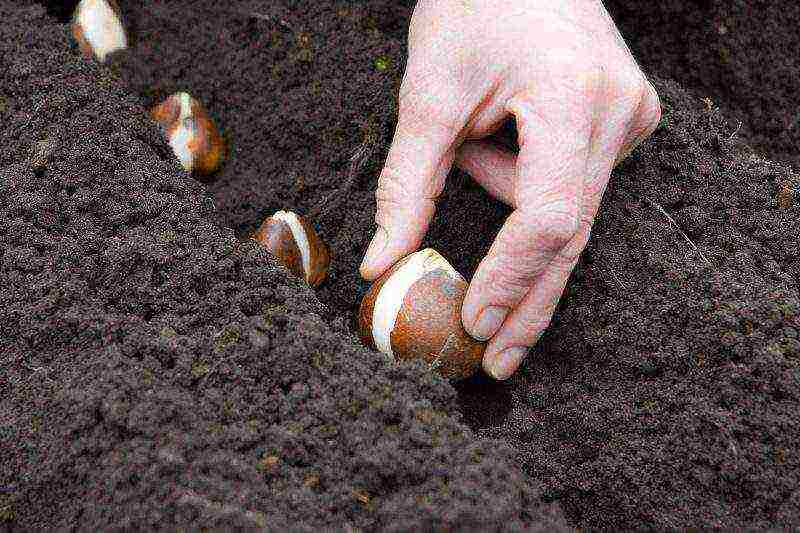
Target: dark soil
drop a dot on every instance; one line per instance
(158, 371)
(742, 55)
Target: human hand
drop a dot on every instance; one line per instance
(581, 103)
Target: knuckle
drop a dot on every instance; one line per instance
(391, 185)
(528, 250)
(645, 119)
(397, 183)
(528, 327)
(593, 73)
(569, 253)
(425, 105)
(641, 110)
(577, 73)
(650, 107)
(511, 279)
(393, 195)
(630, 91)
(557, 230)
(398, 200)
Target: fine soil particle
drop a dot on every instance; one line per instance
(160, 370)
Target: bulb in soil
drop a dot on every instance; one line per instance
(413, 311)
(97, 27)
(192, 134)
(291, 239)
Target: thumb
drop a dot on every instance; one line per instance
(413, 176)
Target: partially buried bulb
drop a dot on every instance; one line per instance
(191, 133)
(98, 29)
(292, 239)
(413, 311)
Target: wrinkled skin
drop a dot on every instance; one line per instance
(581, 103)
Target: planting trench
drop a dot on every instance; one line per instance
(158, 369)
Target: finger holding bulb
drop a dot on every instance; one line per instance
(580, 103)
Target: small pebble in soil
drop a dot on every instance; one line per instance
(413, 311)
(648, 368)
(192, 134)
(293, 240)
(98, 29)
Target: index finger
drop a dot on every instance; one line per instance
(413, 176)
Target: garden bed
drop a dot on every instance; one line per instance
(159, 369)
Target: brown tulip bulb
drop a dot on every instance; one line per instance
(191, 133)
(291, 239)
(97, 27)
(413, 311)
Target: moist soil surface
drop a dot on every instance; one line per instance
(159, 369)
(742, 55)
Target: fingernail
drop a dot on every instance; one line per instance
(507, 362)
(489, 321)
(376, 247)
